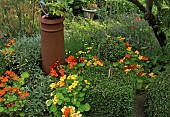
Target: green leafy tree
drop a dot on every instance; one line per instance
(156, 13)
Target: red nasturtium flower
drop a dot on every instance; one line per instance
(81, 59)
(134, 26)
(134, 67)
(141, 73)
(66, 112)
(127, 44)
(8, 105)
(126, 67)
(127, 56)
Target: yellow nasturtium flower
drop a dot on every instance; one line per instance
(80, 52)
(129, 48)
(152, 75)
(62, 78)
(136, 52)
(53, 85)
(140, 57)
(55, 100)
(86, 81)
(121, 38)
(88, 63)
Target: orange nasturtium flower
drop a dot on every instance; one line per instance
(53, 73)
(1, 99)
(127, 44)
(1, 84)
(66, 112)
(134, 26)
(23, 95)
(4, 52)
(71, 61)
(145, 59)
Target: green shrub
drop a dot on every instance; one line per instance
(38, 86)
(83, 33)
(111, 49)
(158, 97)
(135, 30)
(27, 55)
(110, 97)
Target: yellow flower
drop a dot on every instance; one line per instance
(140, 57)
(73, 77)
(62, 78)
(146, 87)
(136, 52)
(74, 84)
(127, 70)
(55, 100)
(95, 63)
(86, 81)
(70, 88)
(152, 75)
(99, 63)
(121, 61)
(61, 83)
(89, 48)
(88, 63)
(51, 94)
(88, 51)
(80, 52)
(53, 85)
(129, 48)
(121, 38)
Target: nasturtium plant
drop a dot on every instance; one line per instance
(68, 86)
(12, 93)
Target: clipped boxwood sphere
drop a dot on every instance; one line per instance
(158, 97)
(111, 49)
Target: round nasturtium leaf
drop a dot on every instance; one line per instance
(25, 75)
(1, 109)
(87, 106)
(49, 102)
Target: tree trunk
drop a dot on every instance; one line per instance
(150, 18)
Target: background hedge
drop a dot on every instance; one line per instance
(158, 97)
(111, 97)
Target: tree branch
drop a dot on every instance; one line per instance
(139, 5)
(148, 13)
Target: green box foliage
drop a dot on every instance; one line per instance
(158, 97)
(111, 49)
(111, 97)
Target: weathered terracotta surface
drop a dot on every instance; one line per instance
(52, 42)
